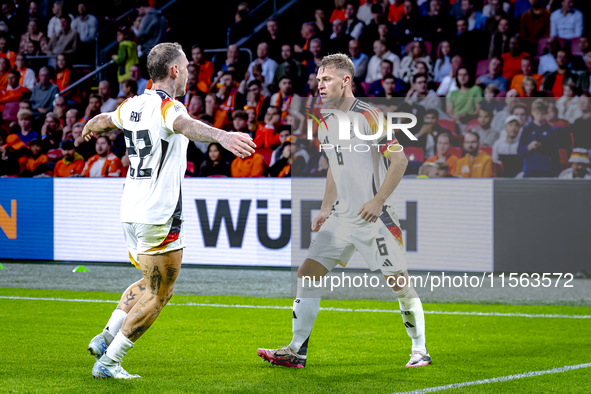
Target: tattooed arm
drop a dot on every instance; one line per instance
(240, 144)
(99, 124)
(196, 130)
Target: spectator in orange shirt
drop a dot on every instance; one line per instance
(554, 81)
(63, 74)
(339, 11)
(476, 163)
(35, 159)
(396, 11)
(60, 108)
(443, 153)
(212, 106)
(13, 155)
(191, 87)
(285, 99)
(250, 166)
(252, 122)
(104, 163)
(229, 95)
(205, 66)
(5, 52)
(512, 59)
(526, 71)
(265, 136)
(255, 98)
(71, 164)
(13, 92)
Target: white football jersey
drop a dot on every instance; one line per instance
(359, 166)
(157, 155)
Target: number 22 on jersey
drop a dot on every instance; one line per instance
(140, 146)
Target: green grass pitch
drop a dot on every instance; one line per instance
(210, 349)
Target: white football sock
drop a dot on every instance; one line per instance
(305, 310)
(114, 325)
(117, 350)
(412, 316)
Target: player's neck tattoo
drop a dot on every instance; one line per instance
(167, 86)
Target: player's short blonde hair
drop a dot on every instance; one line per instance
(161, 57)
(339, 62)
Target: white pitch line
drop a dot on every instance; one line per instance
(322, 309)
(499, 379)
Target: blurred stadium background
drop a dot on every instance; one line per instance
(464, 68)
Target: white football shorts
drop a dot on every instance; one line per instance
(153, 239)
(380, 243)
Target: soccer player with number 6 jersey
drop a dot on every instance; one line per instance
(157, 130)
(357, 213)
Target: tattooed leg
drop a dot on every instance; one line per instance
(132, 295)
(160, 273)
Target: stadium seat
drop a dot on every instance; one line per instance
(448, 125)
(499, 169)
(563, 154)
(190, 169)
(266, 153)
(575, 47)
(54, 154)
(414, 153)
(217, 176)
(486, 149)
(473, 124)
(455, 151)
(10, 111)
(482, 67)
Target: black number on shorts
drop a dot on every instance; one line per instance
(142, 153)
(340, 158)
(381, 242)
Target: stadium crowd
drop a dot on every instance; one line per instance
(499, 88)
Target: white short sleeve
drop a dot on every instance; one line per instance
(116, 117)
(170, 111)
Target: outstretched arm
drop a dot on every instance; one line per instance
(99, 124)
(240, 144)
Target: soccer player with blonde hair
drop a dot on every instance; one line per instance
(357, 213)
